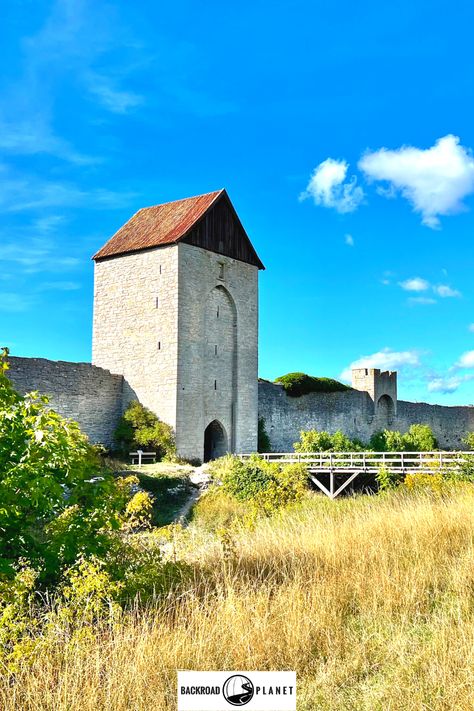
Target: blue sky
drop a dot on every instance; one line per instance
(342, 132)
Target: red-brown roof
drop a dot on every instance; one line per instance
(158, 225)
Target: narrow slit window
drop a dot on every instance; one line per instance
(159, 345)
(215, 350)
(157, 302)
(221, 270)
(215, 384)
(160, 268)
(217, 312)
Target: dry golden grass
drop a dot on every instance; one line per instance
(371, 600)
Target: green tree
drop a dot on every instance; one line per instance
(56, 500)
(140, 427)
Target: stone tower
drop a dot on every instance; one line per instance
(176, 313)
(382, 390)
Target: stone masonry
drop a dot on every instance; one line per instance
(80, 391)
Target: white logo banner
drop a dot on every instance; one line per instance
(249, 690)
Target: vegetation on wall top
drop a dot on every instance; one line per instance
(297, 384)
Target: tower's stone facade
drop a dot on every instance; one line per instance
(179, 321)
(382, 389)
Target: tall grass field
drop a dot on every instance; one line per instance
(369, 599)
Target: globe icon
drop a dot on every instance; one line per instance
(238, 690)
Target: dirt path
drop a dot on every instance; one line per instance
(200, 478)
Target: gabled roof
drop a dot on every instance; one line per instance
(166, 224)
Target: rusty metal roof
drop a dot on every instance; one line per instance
(158, 225)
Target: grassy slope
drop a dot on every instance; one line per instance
(371, 600)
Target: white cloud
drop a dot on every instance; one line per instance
(466, 360)
(449, 384)
(446, 292)
(349, 240)
(434, 180)
(425, 300)
(386, 359)
(327, 187)
(418, 284)
(415, 284)
(471, 327)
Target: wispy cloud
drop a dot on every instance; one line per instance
(328, 187)
(417, 284)
(424, 300)
(76, 45)
(59, 286)
(349, 240)
(14, 303)
(446, 292)
(434, 180)
(19, 193)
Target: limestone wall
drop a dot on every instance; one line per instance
(285, 416)
(80, 391)
(135, 325)
(216, 383)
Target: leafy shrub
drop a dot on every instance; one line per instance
(57, 500)
(419, 438)
(388, 478)
(423, 481)
(139, 427)
(297, 384)
(264, 485)
(321, 441)
(469, 440)
(139, 511)
(263, 438)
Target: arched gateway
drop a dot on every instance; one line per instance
(215, 441)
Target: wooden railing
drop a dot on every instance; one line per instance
(350, 464)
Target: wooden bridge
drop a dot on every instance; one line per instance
(347, 466)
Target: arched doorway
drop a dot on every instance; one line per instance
(219, 362)
(215, 441)
(385, 410)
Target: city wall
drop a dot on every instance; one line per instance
(286, 416)
(92, 396)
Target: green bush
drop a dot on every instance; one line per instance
(263, 438)
(419, 438)
(139, 427)
(387, 478)
(469, 440)
(57, 502)
(321, 441)
(264, 485)
(297, 384)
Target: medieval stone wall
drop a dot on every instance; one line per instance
(286, 416)
(135, 329)
(91, 396)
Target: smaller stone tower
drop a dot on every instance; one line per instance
(382, 390)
